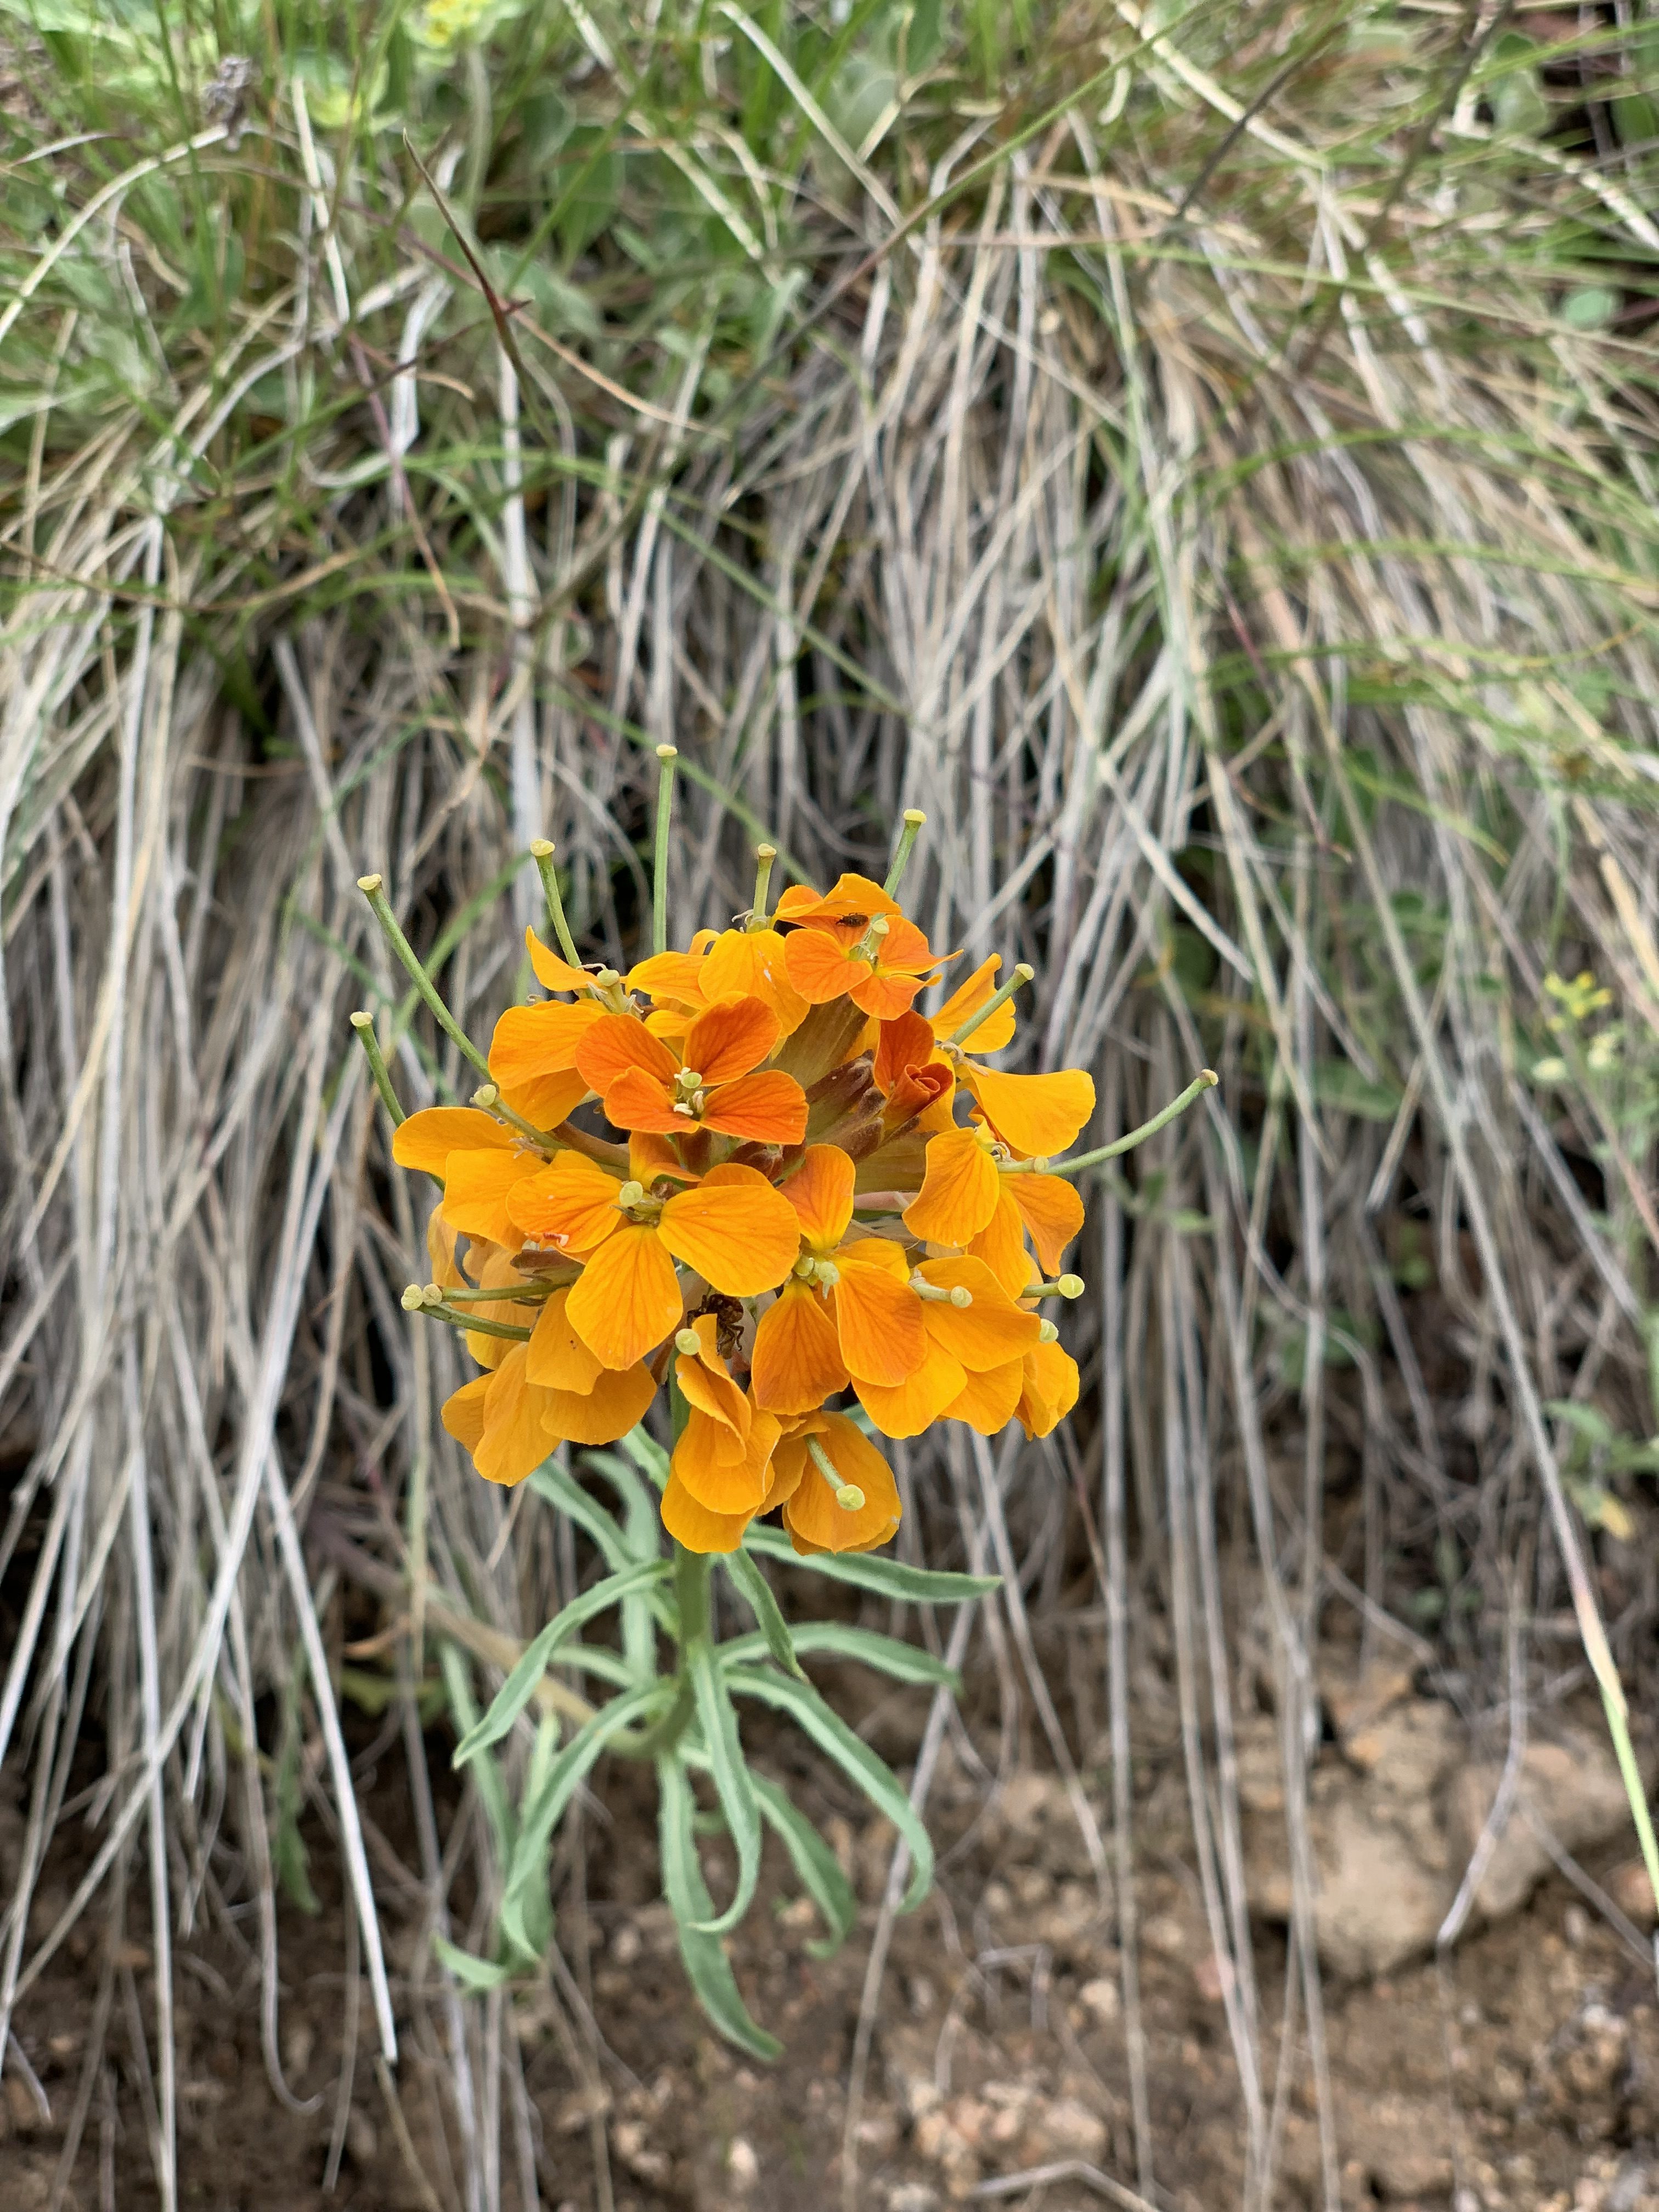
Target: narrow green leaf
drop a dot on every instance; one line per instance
(648, 1455)
(707, 1966)
(563, 1492)
(519, 1687)
(864, 1570)
(526, 1871)
(757, 1594)
(642, 1533)
(733, 1782)
(487, 1778)
(856, 1760)
(477, 1974)
(819, 1870)
(903, 1662)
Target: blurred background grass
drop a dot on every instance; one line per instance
(1205, 456)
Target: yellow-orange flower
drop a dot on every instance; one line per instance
(812, 1498)
(733, 1228)
(855, 944)
(715, 1083)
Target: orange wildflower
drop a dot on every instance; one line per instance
(722, 1463)
(715, 1083)
(836, 1489)
(855, 944)
(976, 1334)
(733, 1228)
(479, 1161)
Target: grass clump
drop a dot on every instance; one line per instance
(1204, 458)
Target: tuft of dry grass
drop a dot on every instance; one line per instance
(1204, 461)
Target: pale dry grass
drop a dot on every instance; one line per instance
(1257, 594)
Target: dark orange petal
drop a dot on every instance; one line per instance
(650, 1156)
(514, 1442)
(638, 1101)
(544, 1040)
(557, 1359)
(986, 1334)
(958, 1194)
(1001, 1243)
(878, 1321)
(552, 973)
(477, 1188)
(905, 949)
(571, 1205)
(883, 995)
(819, 967)
(796, 1363)
(816, 1524)
(751, 964)
(820, 1192)
(427, 1139)
(730, 1037)
(721, 1485)
(766, 1107)
(1034, 1114)
(616, 1404)
(914, 1404)
(967, 999)
(851, 897)
(618, 1042)
(696, 1527)
(629, 1297)
(464, 1411)
(989, 1400)
(1051, 1210)
(905, 1042)
(799, 899)
(1050, 1389)
(740, 1235)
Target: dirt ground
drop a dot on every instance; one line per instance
(1526, 2075)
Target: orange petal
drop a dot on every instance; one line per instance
(616, 1404)
(796, 1363)
(725, 1486)
(816, 1524)
(546, 1099)
(544, 1040)
(552, 973)
(638, 1101)
(820, 1192)
(883, 995)
(850, 897)
(477, 1188)
(1034, 1114)
(740, 1235)
(440, 1253)
(905, 1042)
(427, 1139)
(967, 999)
(558, 1358)
(1001, 1243)
(918, 1401)
(650, 1156)
(1050, 1389)
(819, 967)
(768, 1107)
(878, 1321)
(799, 899)
(989, 1401)
(730, 1037)
(707, 1386)
(628, 1297)
(751, 964)
(883, 1252)
(958, 1193)
(514, 1442)
(676, 976)
(618, 1042)
(1051, 1210)
(495, 1269)
(464, 1411)
(695, 1526)
(905, 948)
(986, 1334)
(571, 1204)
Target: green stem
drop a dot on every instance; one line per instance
(1205, 1079)
(542, 854)
(980, 1015)
(372, 887)
(765, 855)
(668, 755)
(488, 1097)
(691, 1570)
(364, 1026)
(914, 819)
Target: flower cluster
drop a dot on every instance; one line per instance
(814, 1189)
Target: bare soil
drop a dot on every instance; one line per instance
(1524, 2075)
